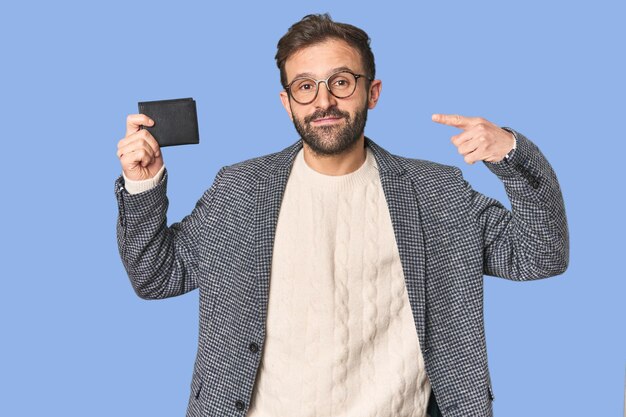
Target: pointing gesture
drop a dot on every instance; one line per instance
(480, 140)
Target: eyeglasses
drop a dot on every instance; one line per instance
(340, 84)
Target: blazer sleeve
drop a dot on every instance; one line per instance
(161, 261)
(530, 241)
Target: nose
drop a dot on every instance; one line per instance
(324, 98)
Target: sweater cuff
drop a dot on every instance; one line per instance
(136, 187)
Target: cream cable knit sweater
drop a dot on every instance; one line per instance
(340, 338)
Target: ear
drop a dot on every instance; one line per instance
(284, 98)
(374, 93)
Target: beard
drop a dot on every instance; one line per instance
(331, 139)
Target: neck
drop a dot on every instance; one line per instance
(341, 164)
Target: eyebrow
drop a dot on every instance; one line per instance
(332, 71)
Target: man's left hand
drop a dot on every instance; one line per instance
(480, 140)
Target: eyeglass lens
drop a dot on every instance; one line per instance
(341, 85)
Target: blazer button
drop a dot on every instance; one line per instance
(239, 405)
(254, 348)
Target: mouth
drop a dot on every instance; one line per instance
(327, 120)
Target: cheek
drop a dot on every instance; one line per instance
(354, 104)
(298, 117)
(362, 100)
(362, 104)
(301, 115)
(295, 115)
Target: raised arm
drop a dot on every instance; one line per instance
(531, 240)
(161, 261)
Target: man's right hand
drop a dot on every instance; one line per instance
(138, 151)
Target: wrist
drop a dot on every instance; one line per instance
(139, 186)
(514, 146)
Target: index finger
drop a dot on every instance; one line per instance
(462, 122)
(133, 121)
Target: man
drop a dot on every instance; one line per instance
(337, 279)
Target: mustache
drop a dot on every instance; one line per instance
(332, 112)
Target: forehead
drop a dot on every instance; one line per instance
(321, 59)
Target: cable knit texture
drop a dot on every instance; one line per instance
(340, 337)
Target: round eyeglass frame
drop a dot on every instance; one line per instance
(325, 81)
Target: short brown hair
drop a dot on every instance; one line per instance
(316, 28)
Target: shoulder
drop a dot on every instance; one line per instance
(426, 168)
(440, 192)
(439, 188)
(244, 175)
(253, 168)
(428, 173)
(415, 168)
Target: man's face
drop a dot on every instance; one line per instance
(329, 125)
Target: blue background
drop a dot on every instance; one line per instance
(77, 341)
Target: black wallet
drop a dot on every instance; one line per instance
(175, 121)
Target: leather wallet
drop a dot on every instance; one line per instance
(175, 121)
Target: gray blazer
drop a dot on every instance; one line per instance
(448, 237)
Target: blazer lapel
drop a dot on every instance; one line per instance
(269, 195)
(401, 197)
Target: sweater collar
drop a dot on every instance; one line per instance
(387, 163)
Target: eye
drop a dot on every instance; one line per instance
(341, 82)
(304, 85)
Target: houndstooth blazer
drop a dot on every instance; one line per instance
(448, 237)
